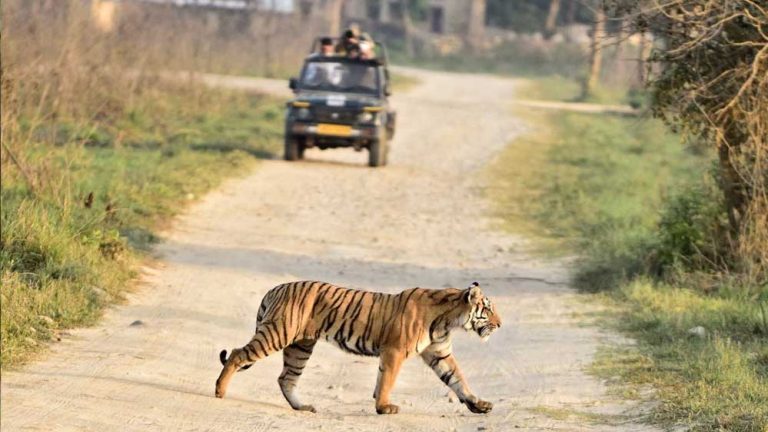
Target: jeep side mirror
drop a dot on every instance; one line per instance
(387, 90)
(293, 83)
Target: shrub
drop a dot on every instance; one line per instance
(693, 231)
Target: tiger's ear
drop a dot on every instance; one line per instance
(473, 293)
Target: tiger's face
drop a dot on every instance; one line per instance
(482, 317)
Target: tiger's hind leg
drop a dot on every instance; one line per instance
(295, 357)
(267, 340)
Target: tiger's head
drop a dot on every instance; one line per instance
(482, 317)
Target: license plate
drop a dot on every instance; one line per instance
(334, 129)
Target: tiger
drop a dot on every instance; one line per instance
(418, 321)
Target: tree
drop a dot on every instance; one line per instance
(570, 13)
(407, 27)
(595, 53)
(551, 22)
(645, 54)
(335, 9)
(713, 85)
(620, 52)
(476, 28)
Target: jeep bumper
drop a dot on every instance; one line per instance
(321, 130)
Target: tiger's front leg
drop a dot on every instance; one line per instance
(444, 364)
(389, 367)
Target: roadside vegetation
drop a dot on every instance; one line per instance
(515, 58)
(96, 157)
(101, 147)
(640, 209)
(667, 218)
(81, 202)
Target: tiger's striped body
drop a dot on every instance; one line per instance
(294, 316)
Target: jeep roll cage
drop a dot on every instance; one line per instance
(382, 56)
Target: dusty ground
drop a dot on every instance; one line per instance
(419, 222)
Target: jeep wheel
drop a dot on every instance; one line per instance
(293, 150)
(377, 152)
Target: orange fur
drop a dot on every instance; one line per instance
(294, 316)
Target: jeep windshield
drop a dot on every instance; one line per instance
(340, 76)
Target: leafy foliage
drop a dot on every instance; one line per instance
(713, 85)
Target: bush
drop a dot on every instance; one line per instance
(692, 231)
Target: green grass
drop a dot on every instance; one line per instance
(609, 189)
(587, 180)
(715, 382)
(562, 89)
(66, 256)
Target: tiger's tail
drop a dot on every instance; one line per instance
(223, 359)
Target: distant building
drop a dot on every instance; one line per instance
(459, 17)
(238, 13)
(380, 11)
(465, 18)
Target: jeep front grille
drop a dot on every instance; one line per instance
(334, 116)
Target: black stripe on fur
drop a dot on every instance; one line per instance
(223, 359)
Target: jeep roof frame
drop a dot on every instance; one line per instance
(382, 57)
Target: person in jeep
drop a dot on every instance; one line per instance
(327, 49)
(348, 42)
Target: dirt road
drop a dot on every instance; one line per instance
(151, 365)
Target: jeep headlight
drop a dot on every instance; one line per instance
(366, 117)
(303, 113)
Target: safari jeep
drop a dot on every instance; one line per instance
(340, 102)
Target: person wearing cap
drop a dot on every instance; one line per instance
(348, 42)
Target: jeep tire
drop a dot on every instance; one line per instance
(378, 151)
(293, 149)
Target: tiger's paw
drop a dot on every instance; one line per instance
(309, 408)
(387, 409)
(479, 407)
(220, 392)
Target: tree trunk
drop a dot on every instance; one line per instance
(384, 16)
(334, 17)
(551, 24)
(407, 27)
(570, 13)
(596, 54)
(645, 52)
(732, 184)
(619, 61)
(476, 26)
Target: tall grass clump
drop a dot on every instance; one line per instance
(595, 184)
(96, 154)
